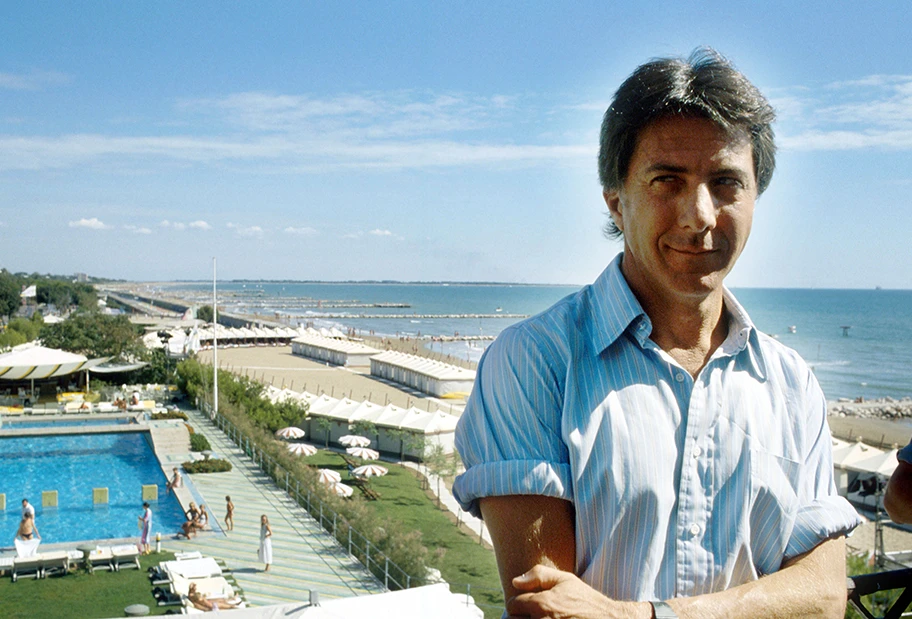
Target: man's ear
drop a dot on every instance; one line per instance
(613, 200)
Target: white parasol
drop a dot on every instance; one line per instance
(342, 489)
(370, 470)
(290, 432)
(328, 476)
(352, 440)
(302, 449)
(363, 452)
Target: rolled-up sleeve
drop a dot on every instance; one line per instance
(509, 436)
(822, 513)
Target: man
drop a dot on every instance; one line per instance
(641, 449)
(27, 509)
(898, 498)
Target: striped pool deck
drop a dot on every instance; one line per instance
(305, 556)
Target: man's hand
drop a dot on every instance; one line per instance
(549, 593)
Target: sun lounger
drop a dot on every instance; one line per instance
(101, 559)
(183, 556)
(28, 567)
(203, 567)
(213, 587)
(57, 562)
(125, 557)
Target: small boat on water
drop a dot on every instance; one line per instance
(793, 329)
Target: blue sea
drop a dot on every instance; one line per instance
(874, 358)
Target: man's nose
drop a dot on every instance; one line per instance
(698, 209)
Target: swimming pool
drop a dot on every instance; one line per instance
(73, 465)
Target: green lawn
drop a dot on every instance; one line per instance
(77, 594)
(458, 556)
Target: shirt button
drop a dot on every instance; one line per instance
(679, 378)
(694, 529)
(697, 451)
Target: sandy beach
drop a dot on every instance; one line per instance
(276, 365)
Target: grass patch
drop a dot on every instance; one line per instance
(77, 594)
(458, 556)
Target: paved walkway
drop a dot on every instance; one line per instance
(306, 557)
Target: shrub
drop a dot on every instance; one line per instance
(168, 415)
(212, 465)
(198, 442)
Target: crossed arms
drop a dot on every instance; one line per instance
(534, 541)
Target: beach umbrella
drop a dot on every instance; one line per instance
(363, 452)
(342, 489)
(328, 476)
(302, 449)
(370, 470)
(290, 432)
(352, 440)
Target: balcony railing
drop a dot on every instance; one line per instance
(869, 584)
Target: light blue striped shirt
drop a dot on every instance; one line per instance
(680, 486)
(905, 454)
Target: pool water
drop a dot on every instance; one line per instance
(74, 465)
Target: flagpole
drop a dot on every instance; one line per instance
(214, 345)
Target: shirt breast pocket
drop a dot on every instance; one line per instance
(774, 483)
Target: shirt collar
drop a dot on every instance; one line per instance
(615, 309)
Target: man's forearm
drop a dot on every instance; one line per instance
(811, 585)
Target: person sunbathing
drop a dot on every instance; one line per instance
(191, 526)
(201, 602)
(176, 481)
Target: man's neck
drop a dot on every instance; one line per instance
(689, 329)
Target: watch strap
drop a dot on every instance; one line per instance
(661, 610)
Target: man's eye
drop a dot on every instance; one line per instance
(729, 181)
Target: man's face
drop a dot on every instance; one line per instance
(685, 208)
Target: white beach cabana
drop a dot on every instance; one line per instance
(426, 375)
(845, 456)
(334, 351)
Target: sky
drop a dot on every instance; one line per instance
(424, 141)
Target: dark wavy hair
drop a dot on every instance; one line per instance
(706, 85)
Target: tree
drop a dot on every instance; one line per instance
(95, 335)
(325, 425)
(441, 464)
(400, 435)
(10, 288)
(367, 428)
(204, 313)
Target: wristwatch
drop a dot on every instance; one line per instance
(661, 610)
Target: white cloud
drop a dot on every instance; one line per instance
(302, 231)
(94, 224)
(379, 232)
(31, 81)
(137, 229)
(870, 112)
(199, 225)
(247, 231)
(174, 225)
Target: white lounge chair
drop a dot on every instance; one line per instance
(125, 557)
(101, 559)
(27, 567)
(57, 562)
